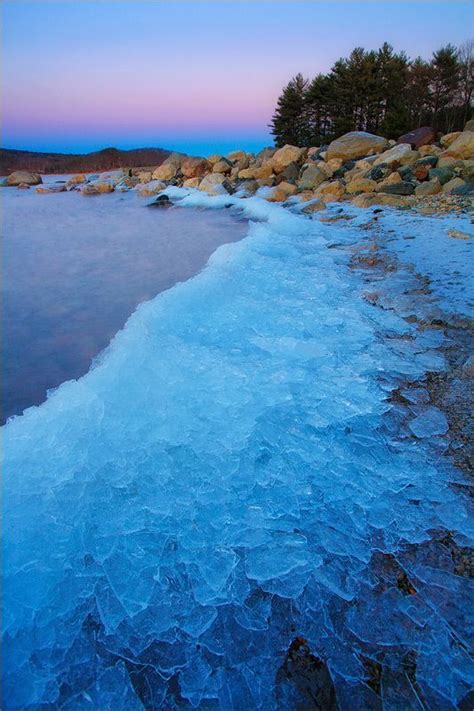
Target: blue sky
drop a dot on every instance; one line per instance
(195, 76)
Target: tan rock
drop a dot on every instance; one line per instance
(194, 167)
(362, 165)
(144, 176)
(213, 184)
(266, 182)
(75, 180)
(356, 144)
(331, 191)
(281, 192)
(236, 155)
(19, 177)
(453, 184)
(191, 183)
(390, 180)
(222, 166)
(51, 188)
(394, 154)
(312, 151)
(431, 187)
(165, 171)
(457, 234)
(463, 146)
(362, 185)
(411, 157)
(153, 187)
(314, 206)
(469, 125)
(89, 189)
(311, 176)
(445, 161)
(254, 171)
(449, 138)
(305, 196)
(286, 155)
(215, 158)
(429, 151)
(336, 163)
(101, 186)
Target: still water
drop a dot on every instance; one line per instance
(75, 268)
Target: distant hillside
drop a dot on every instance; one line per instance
(107, 159)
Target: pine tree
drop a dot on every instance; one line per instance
(418, 92)
(289, 122)
(445, 77)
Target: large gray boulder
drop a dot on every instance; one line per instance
(24, 177)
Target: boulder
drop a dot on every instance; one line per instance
(335, 163)
(462, 147)
(394, 155)
(403, 187)
(362, 185)
(265, 155)
(314, 206)
(431, 187)
(215, 158)
(75, 180)
(311, 176)
(444, 174)
(356, 144)
(162, 201)
(24, 177)
(291, 172)
(392, 179)
(429, 151)
(331, 191)
(467, 190)
(222, 166)
(214, 184)
(249, 186)
(165, 171)
(419, 137)
(469, 125)
(89, 189)
(144, 176)
(127, 183)
(194, 167)
(152, 188)
(380, 172)
(24, 186)
(453, 185)
(449, 138)
(51, 188)
(191, 183)
(236, 155)
(286, 155)
(281, 192)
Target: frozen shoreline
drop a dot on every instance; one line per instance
(240, 476)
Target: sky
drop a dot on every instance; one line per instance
(198, 77)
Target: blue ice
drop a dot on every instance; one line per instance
(222, 481)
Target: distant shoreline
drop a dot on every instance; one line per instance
(50, 163)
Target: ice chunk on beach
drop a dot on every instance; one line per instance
(430, 422)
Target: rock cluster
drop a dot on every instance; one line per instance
(358, 166)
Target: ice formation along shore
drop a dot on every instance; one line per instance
(226, 479)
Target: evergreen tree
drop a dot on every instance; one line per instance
(289, 123)
(466, 59)
(381, 92)
(445, 78)
(418, 92)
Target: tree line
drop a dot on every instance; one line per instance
(382, 92)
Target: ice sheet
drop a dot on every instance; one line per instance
(225, 479)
